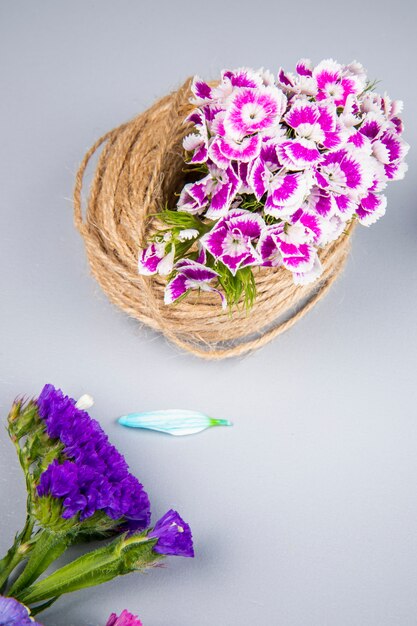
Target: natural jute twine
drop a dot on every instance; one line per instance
(139, 170)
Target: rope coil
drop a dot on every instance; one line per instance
(139, 170)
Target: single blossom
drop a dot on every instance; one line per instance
(315, 123)
(155, 260)
(287, 192)
(124, 619)
(197, 142)
(291, 244)
(301, 83)
(371, 208)
(173, 536)
(191, 275)
(231, 241)
(298, 154)
(254, 110)
(336, 83)
(213, 194)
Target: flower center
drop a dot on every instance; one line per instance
(234, 244)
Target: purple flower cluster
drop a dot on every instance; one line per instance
(289, 161)
(94, 476)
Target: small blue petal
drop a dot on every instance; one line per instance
(173, 422)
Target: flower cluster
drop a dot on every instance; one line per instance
(95, 476)
(287, 162)
(78, 486)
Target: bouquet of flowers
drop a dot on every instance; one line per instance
(79, 488)
(278, 168)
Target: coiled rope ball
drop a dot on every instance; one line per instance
(139, 171)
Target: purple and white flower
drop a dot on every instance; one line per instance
(197, 142)
(291, 244)
(336, 83)
(287, 192)
(232, 239)
(155, 260)
(371, 208)
(213, 194)
(253, 111)
(191, 275)
(316, 123)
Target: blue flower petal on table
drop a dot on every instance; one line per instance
(173, 422)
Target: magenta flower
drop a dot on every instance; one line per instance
(287, 193)
(298, 154)
(173, 535)
(228, 148)
(343, 177)
(316, 123)
(301, 83)
(213, 194)
(371, 208)
(291, 244)
(125, 619)
(231, 241)
(197, 142)
(262, 170)
(254, 110)
(155, 260)
(191, 275)
(336, 83)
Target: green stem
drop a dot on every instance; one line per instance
(121, 556)
(17, 552)
(41, 607)
(49, 546)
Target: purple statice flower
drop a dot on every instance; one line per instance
(174, 536)
(93, 476)
(13, 613)
(124, 619)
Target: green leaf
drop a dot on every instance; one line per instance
(239, 288)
